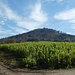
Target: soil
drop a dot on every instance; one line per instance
(4, 70)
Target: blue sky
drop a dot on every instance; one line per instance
(20, 16)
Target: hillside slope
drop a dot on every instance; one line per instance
(44, 34)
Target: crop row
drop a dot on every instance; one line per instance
(43, 55)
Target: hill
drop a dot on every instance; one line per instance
(44, 34)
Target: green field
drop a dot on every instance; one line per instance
(39, 55)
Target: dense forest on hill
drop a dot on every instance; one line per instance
(43, 34)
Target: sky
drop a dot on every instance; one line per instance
(21, 16)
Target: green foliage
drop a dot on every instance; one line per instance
(42, 55)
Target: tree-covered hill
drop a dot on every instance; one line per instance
(44, 34)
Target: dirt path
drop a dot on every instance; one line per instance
(7, 71)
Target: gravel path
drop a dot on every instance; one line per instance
(7, 71)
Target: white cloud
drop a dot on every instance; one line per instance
(60, 0)
(4, 31)
(29, 24)
(8, 13)
(17, 30)
(37, 13)
(2, 17)
(70, 33)
(53, 0)
(66, 15)
(34, 19)
(73, 26)
(2, 23)
(12, 31)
